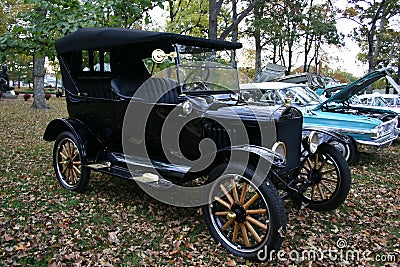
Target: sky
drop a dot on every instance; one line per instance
(344, 58)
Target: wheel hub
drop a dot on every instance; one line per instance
(315, 176)
(239, 212)
(69, 163)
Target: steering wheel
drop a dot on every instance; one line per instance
(198, 74)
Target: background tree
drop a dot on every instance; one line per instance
(44, 21)
(188, 17)
(319, 29)
(373, 18)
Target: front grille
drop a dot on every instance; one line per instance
(289, 130)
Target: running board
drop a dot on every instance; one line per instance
(100, 165)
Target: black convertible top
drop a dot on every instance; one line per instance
(97, 38)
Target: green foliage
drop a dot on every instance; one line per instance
(376, 32)
(287, 25)
(340, 75)
(42, 22)
(188, 17)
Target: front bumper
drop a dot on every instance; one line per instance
(378, 144)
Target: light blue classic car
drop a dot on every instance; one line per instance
(369, 129)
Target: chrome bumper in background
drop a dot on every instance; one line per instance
(376, 145)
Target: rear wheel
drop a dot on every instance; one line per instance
(67, 161)
(326, 177)
(246, 220)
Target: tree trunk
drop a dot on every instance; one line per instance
(257, 37)
(38, 82)
(212, 20)
(242, 15)
(234, 19)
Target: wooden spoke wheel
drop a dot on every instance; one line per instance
(67, 161)
(328, 176)
(243, 218)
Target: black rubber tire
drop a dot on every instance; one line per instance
(67, 163)
(336, 171)
(269, 200)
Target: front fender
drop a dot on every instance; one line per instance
(260, 158)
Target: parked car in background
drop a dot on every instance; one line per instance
(393, 100)
(187, 124)
(370, 130)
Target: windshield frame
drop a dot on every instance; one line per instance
(181, 50)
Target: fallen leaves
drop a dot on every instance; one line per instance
(115, 223)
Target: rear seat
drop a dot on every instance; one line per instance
(97, 87)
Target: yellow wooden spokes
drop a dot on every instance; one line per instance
(234, 191)
(322, 165)
(251, 201)
(258, 211)
(221, 213)
(226, 225)
(226, 193)
(245, 236)
(235, 232)
(243, 195)
(313, 192)
(326, 187)
(256, 222)
(252, 231)
(222, 202)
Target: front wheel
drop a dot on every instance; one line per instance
(248, 221)
(67, 161)
(327, 178)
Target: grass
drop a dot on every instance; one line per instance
(115, 224)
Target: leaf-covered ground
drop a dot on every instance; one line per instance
(115, 224)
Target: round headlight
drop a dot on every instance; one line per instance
(280, 148)
(312, 142)
(187, 108)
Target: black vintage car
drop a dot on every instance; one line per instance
(164, 110)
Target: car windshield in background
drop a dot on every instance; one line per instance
(202, 70)
(299, 95)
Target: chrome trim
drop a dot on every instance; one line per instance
(376, 145)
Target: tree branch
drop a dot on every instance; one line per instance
(242, 15)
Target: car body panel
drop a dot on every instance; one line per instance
(360, 128)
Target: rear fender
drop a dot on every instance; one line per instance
(88, 141)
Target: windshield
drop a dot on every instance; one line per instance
(202, 69)
(300, 95)
(393, 101)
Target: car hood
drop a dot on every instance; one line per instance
(338, 121)
(242, 112)
(356, 87)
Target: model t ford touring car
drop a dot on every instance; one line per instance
(163, 109)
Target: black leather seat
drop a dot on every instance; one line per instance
(159, 90)
(97, 87)
(125, 86)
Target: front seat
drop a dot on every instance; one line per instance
(158, 90)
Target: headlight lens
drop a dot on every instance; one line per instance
(376, 132)
(280, 148)
(312, 142)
